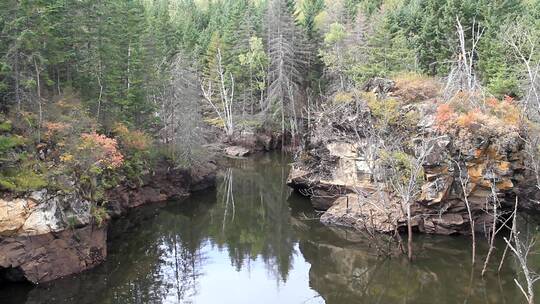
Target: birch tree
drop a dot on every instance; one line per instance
(223, 105)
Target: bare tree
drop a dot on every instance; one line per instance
(493, 203)
(287, 53)
(522, 249)
(178, 106)
(464, 182)
(462, 76)
(525, 42)
(224, 109)
(405, 176)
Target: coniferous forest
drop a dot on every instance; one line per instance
(425, 112)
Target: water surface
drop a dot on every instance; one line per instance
(253, 241)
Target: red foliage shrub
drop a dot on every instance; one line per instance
(55, 128)
(445, 115)
(102, 150)
(492, 102)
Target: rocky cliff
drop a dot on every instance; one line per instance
(49, 234)
(475, 163)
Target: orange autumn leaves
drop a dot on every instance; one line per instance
(131, 139)
(103, 149)
(495, 112)
(107, 152)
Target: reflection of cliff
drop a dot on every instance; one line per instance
(346, 270)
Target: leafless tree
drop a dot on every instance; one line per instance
(405, 179)
(287, 53)
(464, 182)
(224, 109)
(462, 76)
(525, 42)
(178, 103)
(521, 247)
(491, 203)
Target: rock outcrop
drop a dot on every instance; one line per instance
(47, 235)
(237, 151)
(45, 257)
(338, 170)
(471, 166)
(247, 142)
(43, 212)
(162, 184)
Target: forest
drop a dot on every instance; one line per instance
(438, 101)
(164, 69)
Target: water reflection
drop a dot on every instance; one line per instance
(252, 241)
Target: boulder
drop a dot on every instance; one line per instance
(379, 85)
(237, 151)
(369, 211)
(13, 215)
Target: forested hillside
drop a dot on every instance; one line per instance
(115, 78)
(122, 58)
(130, 74)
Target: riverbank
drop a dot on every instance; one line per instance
(47, 235)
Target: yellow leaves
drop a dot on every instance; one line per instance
(66, 157)
(132, 140)
(469, 119)
(386, 110)
(216, 122)
(121, 129)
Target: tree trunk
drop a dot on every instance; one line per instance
(17, 85)
(409, 233)
(40, 121)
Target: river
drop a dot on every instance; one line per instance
(251, 240)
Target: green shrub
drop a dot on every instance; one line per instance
(6, 126)
(8, 142)
(22, 180)
(99, 213)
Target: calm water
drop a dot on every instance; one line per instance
(253, 241)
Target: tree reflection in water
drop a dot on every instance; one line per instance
(252, 207)
(252, 240)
